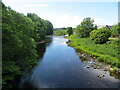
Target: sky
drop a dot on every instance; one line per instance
(69, 13)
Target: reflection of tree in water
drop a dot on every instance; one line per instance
(41, 48)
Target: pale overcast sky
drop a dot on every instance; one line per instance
(65, 13)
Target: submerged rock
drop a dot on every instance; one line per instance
(102, 75)
(87, 66)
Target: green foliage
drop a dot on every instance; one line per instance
(60, 32)
(107, 52)
(39, 32)
(115, 30)
(100, 36)
(49, 29)
(80, 31)
(87, 23)
(18, 46)
(95, 27)
(41, 27)
(69, 31)
(85, 28)
(20, 35)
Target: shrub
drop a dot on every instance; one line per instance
(100, 36)
(69, 31)
(115, 30)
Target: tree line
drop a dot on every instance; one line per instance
(99, 36)
(102, 43)
(20, 38)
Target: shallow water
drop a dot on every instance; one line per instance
(61, 67)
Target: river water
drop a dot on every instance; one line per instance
(61, 67)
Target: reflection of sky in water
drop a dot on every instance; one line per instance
(61, 67)
(59, 41)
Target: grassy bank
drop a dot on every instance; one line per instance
(107, 52)
(60, 32)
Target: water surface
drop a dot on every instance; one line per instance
(61, 67)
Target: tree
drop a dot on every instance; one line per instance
(20, 37)
(95, 27)
(115, 30)
(63, 28)
(100, 36)
(49, 27)
(41, 27)
(80, 31)
(85, 28)
(69, 31)
(87, 23)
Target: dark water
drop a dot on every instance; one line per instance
(61, 67)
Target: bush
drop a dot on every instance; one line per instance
(115, 30)
(100, 36)
(83, 30)
(69, 31)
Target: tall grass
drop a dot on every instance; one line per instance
(107, 52)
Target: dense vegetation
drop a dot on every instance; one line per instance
(84, 29)
(60, 32)
(115, 30)
(96, 42)
(101, 35)
(21, 35)
(107, 52)
(64, 31)
(41, 27)
(69, 31)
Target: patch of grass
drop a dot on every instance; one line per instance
(107, 52)
(60, 32)
(114, 72)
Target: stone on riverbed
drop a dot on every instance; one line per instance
(87, 66)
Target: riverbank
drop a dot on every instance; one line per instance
(107, 52)
(61, 67)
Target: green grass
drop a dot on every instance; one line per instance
(107, 52)
(60, 32)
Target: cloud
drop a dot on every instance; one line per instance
(99, 21)
(68, 20)
(104, 22)
(39, 1)
(36, 5)
(64, 20)
(70, 0)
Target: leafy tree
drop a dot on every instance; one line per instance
(115, 30)
(19, 38)
(80, 31)
(69, 31)
(64, 28)
(95, 27)
(60, 32)
(49, 27)
(87, 23)
(85, 28)
(41, 27)
(100, 36)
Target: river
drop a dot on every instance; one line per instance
(61, 67)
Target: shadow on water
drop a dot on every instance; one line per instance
(62, 67)
(41, 48)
